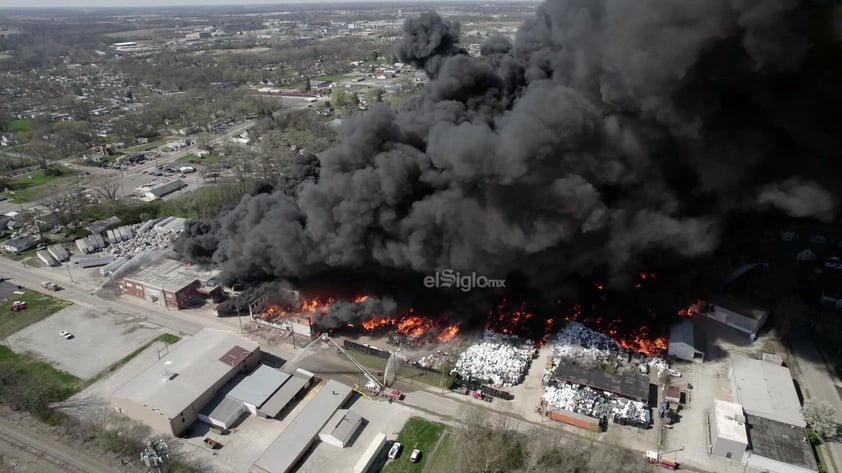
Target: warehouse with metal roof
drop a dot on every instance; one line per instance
(778, 447)
(169, 395)
(341, 428)
(686, 341)
(288, 448)
(765, 389)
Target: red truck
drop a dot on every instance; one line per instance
(655, 458)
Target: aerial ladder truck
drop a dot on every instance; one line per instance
(374, 387)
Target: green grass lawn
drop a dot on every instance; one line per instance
(39, 367)
(20, 125)
(417, 433)
(446, 456)
(36, 184)
(38, 306)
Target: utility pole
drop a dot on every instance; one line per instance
(67, 265)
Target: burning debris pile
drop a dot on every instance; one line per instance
(597, 404)
(579, 345)
(499, 360)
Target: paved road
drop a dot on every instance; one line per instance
(817, 382)
(51, 455)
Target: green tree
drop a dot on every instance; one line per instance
(338, 98)
(374, 95)
(354, 99)
(307, 85)
(374, 56)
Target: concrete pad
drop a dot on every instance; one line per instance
(99, 340)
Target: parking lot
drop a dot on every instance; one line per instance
(99, 340)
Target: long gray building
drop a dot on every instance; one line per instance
(285, 451)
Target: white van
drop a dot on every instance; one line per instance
(186, 169)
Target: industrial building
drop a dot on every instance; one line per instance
(171, 283)
(169, 395)
(686, 342)
(728, 435)
(341, 428)
(288, 448)
(778, 447)
(156, 189)
(768, 414)
(765, 389)
(267, 391)
(737, 313)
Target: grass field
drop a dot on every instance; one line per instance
(39, 367)
(332, 77)
(20, 125)
(38, 306)
(34, 185)
(445, 457)
(417, 433)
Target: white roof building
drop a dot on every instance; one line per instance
(169, 394)
(765, 389)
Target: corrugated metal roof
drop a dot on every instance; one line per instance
(342, 425)
(288, 447)
(275, 404)
(259, 386)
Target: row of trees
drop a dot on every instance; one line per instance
(488, 442)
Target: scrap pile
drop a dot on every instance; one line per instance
(579, 345)
(597, 404)
(143, 240)
(437, 360)
(500, 360)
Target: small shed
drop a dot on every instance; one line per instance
(340, 429)
(686, 342)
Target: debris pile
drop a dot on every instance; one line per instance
(148, 240)
(499, 360)
(577, 344)
(597, 404)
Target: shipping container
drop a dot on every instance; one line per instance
(579, 420)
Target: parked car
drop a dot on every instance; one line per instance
(415, 456)
(395, 451)
(49, 285)
(66, 335)
(18, 305)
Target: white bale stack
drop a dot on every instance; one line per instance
(499, 362)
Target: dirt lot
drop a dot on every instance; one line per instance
(100, 340)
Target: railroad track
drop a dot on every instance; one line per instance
(40, 453)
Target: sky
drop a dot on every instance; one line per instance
(154, 3)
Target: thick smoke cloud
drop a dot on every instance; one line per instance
(427, 41)
(607, 129)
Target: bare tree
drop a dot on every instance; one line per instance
(108, 190)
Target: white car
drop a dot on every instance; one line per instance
(674, 373)
(415, 456)
(395, 450)
(66, 335)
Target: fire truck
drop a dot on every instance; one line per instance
(374, 386)
(655, 458)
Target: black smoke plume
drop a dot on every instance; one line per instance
(427, 41)
(606, 131)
